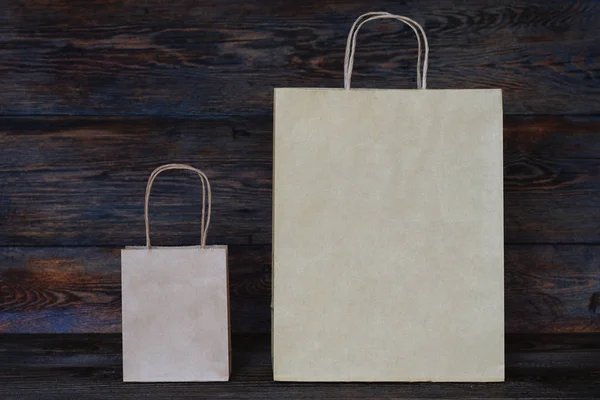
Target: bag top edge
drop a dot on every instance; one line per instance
(215, 246)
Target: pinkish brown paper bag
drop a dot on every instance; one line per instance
(175, 307)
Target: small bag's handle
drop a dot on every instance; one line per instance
(206, 199)
(370, 16)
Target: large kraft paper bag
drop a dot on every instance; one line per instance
(175, 306)
(388, 232)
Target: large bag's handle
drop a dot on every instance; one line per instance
(206, 200)
(370, 16)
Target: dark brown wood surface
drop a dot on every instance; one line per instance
(80, 181)
(95, 94)
(78, 289)
(549, 288)
(89, 366)
(183, 57)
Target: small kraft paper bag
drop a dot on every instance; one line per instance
(388, 231)
(175, 305)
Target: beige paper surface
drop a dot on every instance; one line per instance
(175, 314)
(388, 235)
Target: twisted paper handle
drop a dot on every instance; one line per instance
(351, 45)
(206, 200)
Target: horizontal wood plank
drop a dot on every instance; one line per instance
(552, 180)
(78, 290)
(548, 289)
(69, 181)
(183, 58)
(84, 366)
(80, 181)
(551, 289)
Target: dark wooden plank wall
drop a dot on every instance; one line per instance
(95, 94)
(186, 57)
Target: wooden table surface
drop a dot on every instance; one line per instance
(89, 366)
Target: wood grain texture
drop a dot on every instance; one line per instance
(77, 290)
(183, 57)
(550, 288)
(74, 181)
(86, 366)
(552, 179)
(80, 181)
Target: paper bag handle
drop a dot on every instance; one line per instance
(205, 202)
(351, 45)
